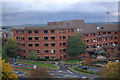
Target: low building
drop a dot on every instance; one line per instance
(51, 41)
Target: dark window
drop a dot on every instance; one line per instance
(109, 32)
(46, 51)
(93, 34)
(60, 44)
(68, 30)
(87, 46)
(116, 37)
(60, 50)
(64, 43)
(64, 50)
(100, 44)
(29, 31)
(87, 35)
(16, 37)
(115, 32)
(64, 30)
(64, 37)
(45, 38)
(24, 51)
(111, 38)
(36, 31)
(45, 31)
(72, 30)
(87, 40)
(46, 57)
(104, 32)
(30, 45)
(106, 38)
(52, 44)
(22, 32)
(52, 31)
(36, 38)
(64, 56)
(46, 44)
(53, 51)
(106, 44)
(60, 37)
(38, 51)
(29, 38)
(116, 43)
(37, 45)
(111, 42)
(100, 39)
(53, 38)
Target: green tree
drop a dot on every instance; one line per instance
(11, 47)
(33, 55)
(76, 45)
(4, 56)
(110, 71)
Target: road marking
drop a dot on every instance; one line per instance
(69, 71)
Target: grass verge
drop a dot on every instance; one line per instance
(41, 64)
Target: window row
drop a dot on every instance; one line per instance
(100, 33)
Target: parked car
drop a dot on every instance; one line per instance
(84, 67)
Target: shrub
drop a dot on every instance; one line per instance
(54, 60)
(91, 72)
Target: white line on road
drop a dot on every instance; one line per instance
(69, 71)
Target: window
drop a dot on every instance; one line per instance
(22, 44)
(22, 31)
(111, 42)
(46, 51)
(104, 32)
(36, 38)
(24, 51)
(116, 43)
(60, 44)
(36, 31)
(53, 51)
(29, 38)
(38, 51)
(87, 35)
(64, 56)
(106, 44)
(109, 32)
(36, 45)
(93, 34)
(53, 38)
(98, 33)
(60, 37)
(64, 30)
(87, 46)
(60, 50)
(52, 44)
(45, 31)
(72, 30)
(45, 38)
(87, 40)
(115, 32)
(100, 44)
(64, 50)
(59, 30)
(22, 38)
(68, 30)
(30, 45)
(64, 43)
(17, 38)
(106, 38)
(52, 31)
(29, 31)
(46, 44)
(111, 38)
(46, 57)
(64, 37)
(116, 37)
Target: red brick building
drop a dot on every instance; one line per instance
(51, 41)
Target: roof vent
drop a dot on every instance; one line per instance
(98, 27)
(102, 27)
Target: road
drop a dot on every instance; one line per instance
(65, 72)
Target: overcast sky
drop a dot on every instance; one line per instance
(18, 13)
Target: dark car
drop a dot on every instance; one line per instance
(84, 67)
